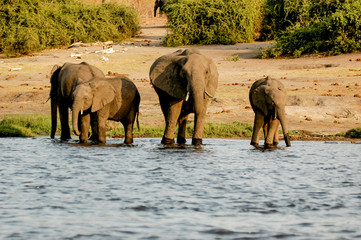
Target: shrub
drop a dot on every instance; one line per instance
(211, 21)
(33, 25)
(310, 26)
(353, 133)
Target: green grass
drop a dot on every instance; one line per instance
(25, 125)
(211, 130)
(31, 125)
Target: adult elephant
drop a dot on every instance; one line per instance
(158, 4)
(101, 99)
(185, 82)
(63, 80)
(268, 99)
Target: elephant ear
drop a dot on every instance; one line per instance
(258, 98)
(165, 74)
(103, 93)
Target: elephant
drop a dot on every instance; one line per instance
(268, 99)
(158, 4)
(185, 82)
(101, 99)
(63, 80)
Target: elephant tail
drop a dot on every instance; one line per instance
(138, 121)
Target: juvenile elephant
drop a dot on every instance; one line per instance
(185, 82)
(101, 99)
(63, 80)
(268, 99)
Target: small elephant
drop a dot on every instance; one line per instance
(268, 99)
(101, 99)
(63, 80)
(185, 82)
(158, 4)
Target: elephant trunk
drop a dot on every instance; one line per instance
(282, 118)
(76, 109)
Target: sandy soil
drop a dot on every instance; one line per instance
(324, 92)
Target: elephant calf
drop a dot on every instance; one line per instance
(101, 99)
(268, 99)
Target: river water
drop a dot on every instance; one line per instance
(225, 190)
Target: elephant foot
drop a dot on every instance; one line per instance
(254, 144)
(167, 140)
(196, 141)
(93, 137)
(128, 141)
(181, 140)
(267, 145)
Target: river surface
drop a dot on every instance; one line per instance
(225, 190)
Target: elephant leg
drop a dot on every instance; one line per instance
(199, 121)
(266, 126)
(181, 139)
(276, 137)
(64, 121)
(171, 121)
(258, 124)
(85, 125)
(128, 130)
(272, 133)
(94, 126)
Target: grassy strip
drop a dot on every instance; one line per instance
(30, 125)
(25, 125)
(211, 130)
(35, 25)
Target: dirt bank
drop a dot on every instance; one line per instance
(324, 92)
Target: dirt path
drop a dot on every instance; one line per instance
(324, 92)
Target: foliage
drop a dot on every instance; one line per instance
(211, 21)
(353, 133)
(33, 25)
(310, 26)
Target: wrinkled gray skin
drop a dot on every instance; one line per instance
(63, 80)
(101, 99)
(185, 82)
(268, 99)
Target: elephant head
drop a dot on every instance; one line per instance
(90, 97)
(185, 72)
(269, 96)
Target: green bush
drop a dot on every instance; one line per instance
(309, 26)
(353, 133)
(211, 21)
(28, 26)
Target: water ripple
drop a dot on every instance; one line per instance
(226, 189)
